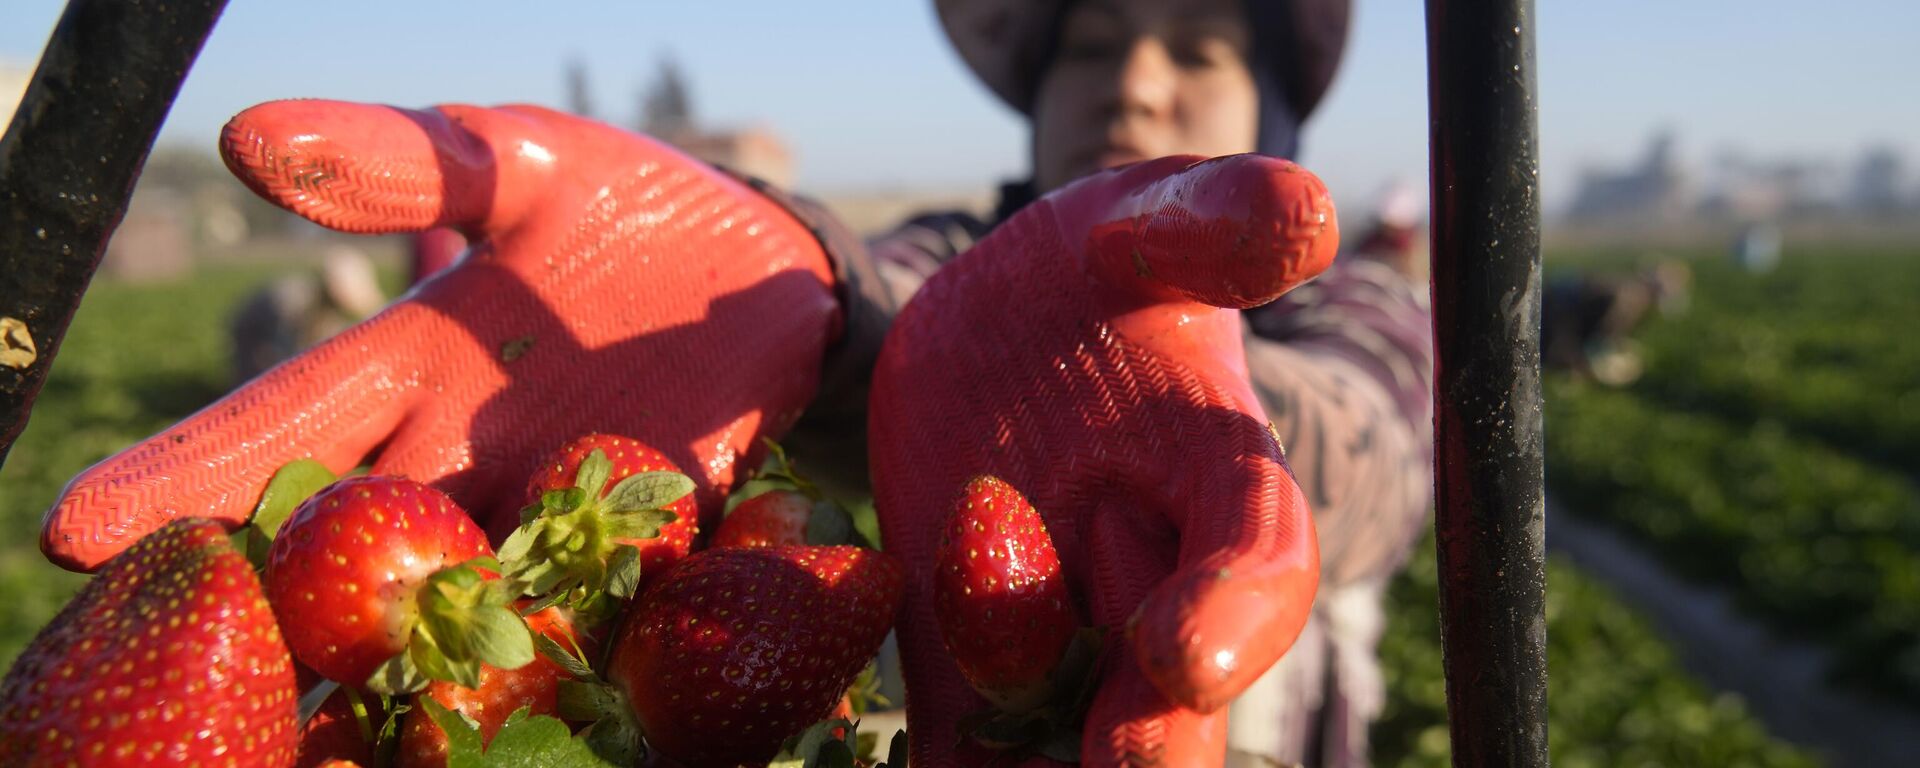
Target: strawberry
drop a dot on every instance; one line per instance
(334, 732)
(628, 457)
(734, 650)
(771, 519)
(801, 514)
(168, 657)
(1003, 605)
(501, 691)
(370, 567)
(603, 512)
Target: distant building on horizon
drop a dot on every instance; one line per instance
(666, 113)
(1655, 189)
(1659, 191)
(1877, 182)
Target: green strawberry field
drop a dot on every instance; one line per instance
(1770, 450)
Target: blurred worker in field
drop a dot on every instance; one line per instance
(294, 312)
(1587, 322)
(1342, 365)
(1393, 234)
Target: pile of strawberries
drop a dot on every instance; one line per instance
(377, 626)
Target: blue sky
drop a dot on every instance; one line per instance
(869, 95)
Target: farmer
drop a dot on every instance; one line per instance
(1342, 365)
(1587, 321)
(297, 311)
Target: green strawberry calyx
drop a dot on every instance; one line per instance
(614, 733)
(466, 619)
(569, 547)
(1054, 729)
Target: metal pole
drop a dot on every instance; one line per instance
(67, 166)
(1491, 522)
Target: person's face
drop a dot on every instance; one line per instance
(1134, 80)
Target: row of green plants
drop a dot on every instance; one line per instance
(1818, 542)
(1616, 693)
(1822, 345)
(1819, 344)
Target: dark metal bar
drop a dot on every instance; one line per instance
(67, 165)
(1491, 520)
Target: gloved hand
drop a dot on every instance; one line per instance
(614, 285)
(1081, 354)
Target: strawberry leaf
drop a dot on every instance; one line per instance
(433, 662)
(615, 740)
(537, 742)
(864, 694)
(388, 738)
(591, 479)
(498, 592)
(532, 741)
(898, 751)
(1077, 676)
(833, 754)
(638, 524)
(465, 620)
(531, 512)
(562, 501)
(558, 654)
(552, 598)
(498, 636)
(867, 524)
(784, 470)
(648, 490)
(519, 544)
(463, 734)
(623, 571)
(290, 486)
(575, 700)
(398, 676)
(541, 577)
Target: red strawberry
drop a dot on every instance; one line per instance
(1004, 609)
(800, 515)
(771, 519)
(373, 566)
(335, 733)
(168, 657)
(734, 650)
(501, 692)
(629, 457)
(591, 500)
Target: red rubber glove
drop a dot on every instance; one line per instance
(1081, 353)
(614, 286)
